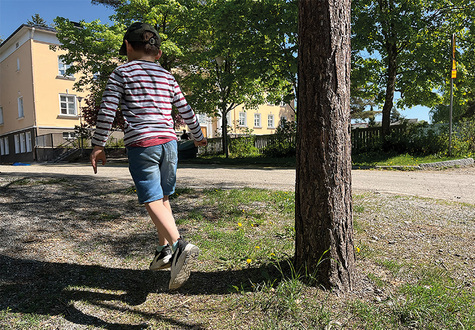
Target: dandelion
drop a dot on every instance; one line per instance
(239, 224)
(357, 249)
(249, 261)
(258, 247)
(272, 254)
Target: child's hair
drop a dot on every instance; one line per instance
(149, 46)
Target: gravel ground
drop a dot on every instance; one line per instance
(60, 226)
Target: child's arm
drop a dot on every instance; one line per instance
(108, 109)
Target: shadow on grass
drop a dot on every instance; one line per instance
(49, 288)
(84, 212)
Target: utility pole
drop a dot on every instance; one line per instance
(452, 77)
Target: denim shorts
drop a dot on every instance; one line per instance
(153, 170)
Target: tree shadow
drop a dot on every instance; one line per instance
(51, 288)
(41, 209)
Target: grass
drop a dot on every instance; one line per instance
(391, 159)
(244, 278)
(358, 160)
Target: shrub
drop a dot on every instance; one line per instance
(243, 146)
(282, 143)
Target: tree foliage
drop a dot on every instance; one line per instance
(254, 40)
(37, 20)
(403, 46)
(246, 58)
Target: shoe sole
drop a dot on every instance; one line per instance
(184, 273)
(164, 266)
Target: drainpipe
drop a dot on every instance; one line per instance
(35, 124)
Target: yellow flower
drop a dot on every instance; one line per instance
(249, 261)
(357, 249)
(272, 254)
(258, 247)
(239, 224)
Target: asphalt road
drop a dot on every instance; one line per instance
(451, 184)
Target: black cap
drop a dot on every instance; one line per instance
(135, 33)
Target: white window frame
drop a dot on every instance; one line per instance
(1, 116)
(6, 146)
(16, 137)
(242, 119)
(67, 103)
(21, 109)
(270, 121)
(62, 68)
(29, 146)
(22, 143)
(257, 120)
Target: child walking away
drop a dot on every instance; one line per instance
(145, 92)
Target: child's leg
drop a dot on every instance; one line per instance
(162, 217)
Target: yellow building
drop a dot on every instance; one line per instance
(38, 105)
(261, 121)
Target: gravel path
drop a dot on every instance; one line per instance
(457, 184)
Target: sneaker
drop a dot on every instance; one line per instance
(182, 261)
(162, 259)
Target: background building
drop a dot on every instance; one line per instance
(38, 105)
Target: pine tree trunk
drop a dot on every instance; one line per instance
(323, 219)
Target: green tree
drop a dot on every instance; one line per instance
(402, 46)
(36, 20)
(242, 59)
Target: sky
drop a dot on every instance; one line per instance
(14, 13)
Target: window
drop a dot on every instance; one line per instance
(1, 116)
(18, 64)
(270, 121)
(17, 143)
(242, 119)
(22, 143)
(69, 135)
(257, 120)
(21, 114)
(29, 146)
(282, 120)
(68, 105)
(62, 68)
(6, 146)
(2, 147)
(202, 118)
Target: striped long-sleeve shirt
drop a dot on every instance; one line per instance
(145, 93)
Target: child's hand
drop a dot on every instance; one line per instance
(96, 155)
(201, 143)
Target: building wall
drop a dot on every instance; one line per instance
(48, 86)
(14, 84)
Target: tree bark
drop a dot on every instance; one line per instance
(323, 219)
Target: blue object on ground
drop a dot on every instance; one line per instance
(20, 164)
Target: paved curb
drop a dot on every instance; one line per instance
(449, 163)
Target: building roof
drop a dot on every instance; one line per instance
(39, 27)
